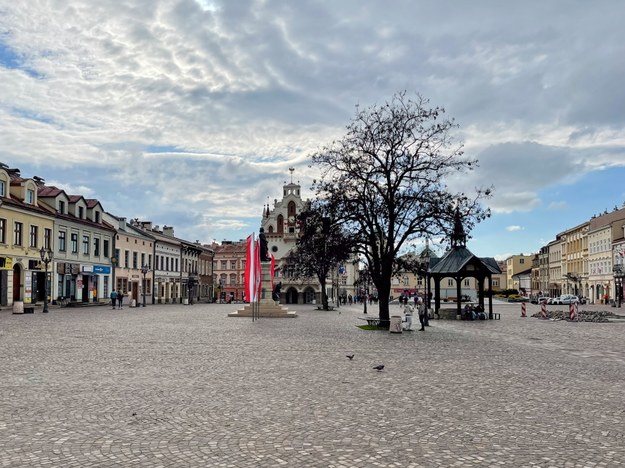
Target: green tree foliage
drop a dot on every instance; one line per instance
(321, 247)
(386, 180)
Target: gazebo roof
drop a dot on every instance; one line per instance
(457, 258)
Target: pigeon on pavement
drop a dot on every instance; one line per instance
(350, 356)
(379, 368)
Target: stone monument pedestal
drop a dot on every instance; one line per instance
(267, 307)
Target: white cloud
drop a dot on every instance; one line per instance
(514, 228)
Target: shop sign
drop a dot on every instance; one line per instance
(86, 268)
(102, 269)
(6, 263)
(28, 289)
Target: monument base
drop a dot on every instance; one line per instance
(267, 306)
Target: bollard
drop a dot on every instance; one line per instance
(543, 310)
(523, 310)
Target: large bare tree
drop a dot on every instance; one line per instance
(387, 180)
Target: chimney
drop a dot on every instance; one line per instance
(168, 231)
(40, 181)
(122, 223)
(146, 225)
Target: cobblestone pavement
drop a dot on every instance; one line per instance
(181, 386)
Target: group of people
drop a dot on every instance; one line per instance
(469, 312)
(117, 298)
(422, 310)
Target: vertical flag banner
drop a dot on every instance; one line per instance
(252, 269)
(272, 270)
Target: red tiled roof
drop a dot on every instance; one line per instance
(48, 191)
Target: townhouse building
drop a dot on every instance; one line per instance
(26, 226)
(514, 265)
(555, 267)
(133, 261)
(83, 246)
(603, 235)
(206, 274)
(229, 270)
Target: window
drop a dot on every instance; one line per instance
(74, 242)
(233, 264)
(176, 265)
(126, 259)
(150, 261)
(81, 212)
(466, 282)
(3, 188)
(62, 241)
(30, 197)
(450, 282)
(96, 247)
(34, 231)
(233, 279)
(97, 217)
(17, 234)
(224, 265)
(142, 259)
(521, 261)
(47, 238)
(3, 228)
(85, 245)
(61, 207)
(135, 256)
(105, 248)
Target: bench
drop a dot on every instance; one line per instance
(371, 320)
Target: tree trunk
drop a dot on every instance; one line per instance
(324, 295)
(383, 296)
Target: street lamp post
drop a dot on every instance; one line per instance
(46, 258)
(619, 275)
(144, 270)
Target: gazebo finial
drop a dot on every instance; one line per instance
(458, 236)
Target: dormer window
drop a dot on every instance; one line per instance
(3, 188)
(97, 217)
(30, 197)
(61, 207)
(81, 212)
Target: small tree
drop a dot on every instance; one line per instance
(386, 181)
(321, 247)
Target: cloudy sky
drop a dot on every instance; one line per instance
(190, 112)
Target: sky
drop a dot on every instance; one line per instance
(190, 113)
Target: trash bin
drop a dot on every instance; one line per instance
(395, 326)
(18, 307)
(185, 301)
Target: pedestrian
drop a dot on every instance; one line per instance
(120, 299)
(422, 312)
(408, 317)
(113, 298)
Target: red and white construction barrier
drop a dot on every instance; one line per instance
(523, 310)
(543, 310)
(572, 311)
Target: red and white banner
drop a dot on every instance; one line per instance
(523, 310)
(543, 310)
(252, 269)
(572, 311)
(272, 269)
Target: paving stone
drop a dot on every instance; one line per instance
(178, 386)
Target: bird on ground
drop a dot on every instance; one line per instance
(134, 414)
(350, 356)
(379, 368)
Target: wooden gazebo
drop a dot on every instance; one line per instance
(459, 263)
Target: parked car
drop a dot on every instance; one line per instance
(583, 300)
(539, 300)
(566, 299)
(552, 300)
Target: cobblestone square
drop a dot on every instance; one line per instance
(180, 386)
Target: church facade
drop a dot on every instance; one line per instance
(282, 230)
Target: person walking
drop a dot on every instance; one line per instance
(120, 299)
(422, 312)
(113, 298)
